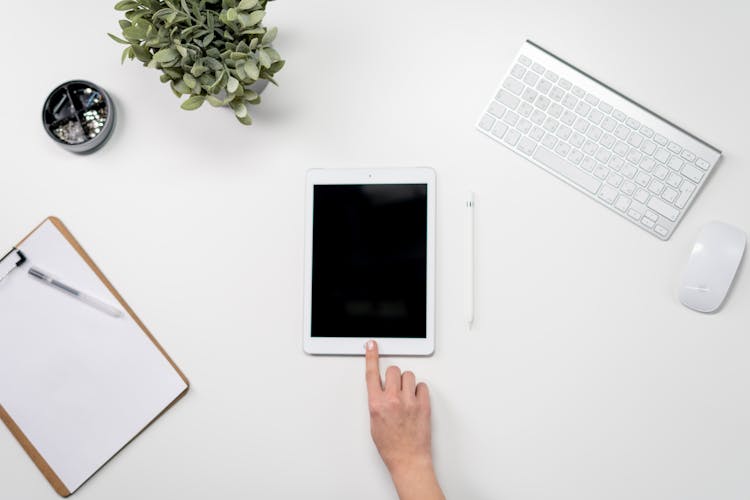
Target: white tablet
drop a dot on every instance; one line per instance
(370, 261)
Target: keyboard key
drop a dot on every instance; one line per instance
(538, 68)
(675, 163)
(635, 212)
(578, 92)
(619, 115)
(688, 155)
(616, 163)
(569, 101)
(662, 155)
(656, 187)
(608, 194)
(512, 137)
(565, 84)
(660, 172)
(609, 124)
(499, 129)
(634, 156)
(669, 194)
(590, 148)
(661, 207)
(674, 147)
(550, 124)
(596, 116)
(622, 132)
(605, 108)
(538, 117)
(642, 178)
(575, 157)
(614, 179)
(577, 140)
(486, 122)
(641, 196)
(530, 79)
(568, 118)
(647, 164)
(525, 109)
(496, 109)
(647, 222)
(686, 190)
(607, 141)
(648, 147)
(566, 169)
(603, 155)
(529, 94)
(518, 71)
(647, 131)
(551, 76)
(562, 148)
(588, 164)
(523, 125)
(581, 125)
(633, 123)
(692, 173)
(536, 134)
(549, 141)
(674, 179)
(651, 216)
(543, 86)
(526, 146)
(635, 139)
(601, 171)
(591, 99)
(621, 148)
(583, 108)
(628, 188)
(542, 103)
(660, 140)
(508, 99)
(622, 203)
(524, 60)
(510, 118)
(564, 132)
(556, 94)
(661, 230)
(629, 171)
(555, 110)
(513, 85)
(594, 133)
(702, 163)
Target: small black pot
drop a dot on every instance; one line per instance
(79, 116)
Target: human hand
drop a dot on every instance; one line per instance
(400, 428)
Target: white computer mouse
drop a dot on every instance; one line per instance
(713, 262)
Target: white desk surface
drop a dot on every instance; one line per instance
(584, 377)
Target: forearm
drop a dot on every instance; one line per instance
(417, 482)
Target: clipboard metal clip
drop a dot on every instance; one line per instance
(12, 260)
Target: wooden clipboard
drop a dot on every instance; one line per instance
(33, 453)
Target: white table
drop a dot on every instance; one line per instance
(584, 377)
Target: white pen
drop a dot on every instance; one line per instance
(83, 297)
(469, 302)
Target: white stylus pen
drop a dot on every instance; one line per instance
(85, 298)
(469, 303)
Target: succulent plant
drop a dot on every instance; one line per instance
(210, 50)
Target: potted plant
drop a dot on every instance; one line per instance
(210, 50)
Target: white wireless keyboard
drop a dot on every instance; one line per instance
(612, 149)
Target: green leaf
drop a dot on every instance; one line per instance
(190, 80)
(272, 54)
(264, 58)
(124, 23)
(255, 17)
(251, 69)
(240, 110)
(126, 54)
(166, 55)
(246, 120)
(142, 53)
(134, 33)
(232, 14)
(270, 36)
(126, 5)
(232, 85)
(180, 87)
(214, 101)
(197, 70)
(164, 78)
(193, 102)
(247, 4)
(118, 39)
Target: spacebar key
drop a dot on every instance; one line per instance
(566, 169)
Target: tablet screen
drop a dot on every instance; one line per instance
(369, 272)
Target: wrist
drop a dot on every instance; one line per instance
(411, 469)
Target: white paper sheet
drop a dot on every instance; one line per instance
(79, 383)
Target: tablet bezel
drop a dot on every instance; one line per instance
(355, 345)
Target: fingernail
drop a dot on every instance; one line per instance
(370, 345)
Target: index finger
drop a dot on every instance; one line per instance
(372, 369)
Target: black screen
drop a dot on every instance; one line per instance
(369, 275)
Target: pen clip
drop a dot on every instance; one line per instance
(10, 261)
